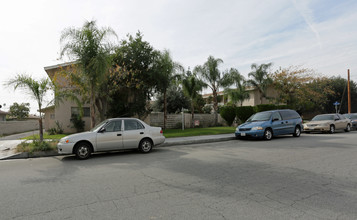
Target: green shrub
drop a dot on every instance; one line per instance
(228, 113)
(244, 112)
(77, 122)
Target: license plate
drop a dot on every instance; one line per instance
(242, 134)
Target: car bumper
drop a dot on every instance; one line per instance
(255, 134)
(354, 125)
(65, 148)
(159, 140)
(316, 128)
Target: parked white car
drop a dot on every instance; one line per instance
(328, 123)
(111, 135)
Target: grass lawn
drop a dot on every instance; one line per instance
(45, 136)
(168, 133)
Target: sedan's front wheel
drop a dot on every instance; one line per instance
(83, 151)
(332, 129)
(145, 145)
(348, 128)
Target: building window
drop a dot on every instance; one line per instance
(75, 111)
(52, 116)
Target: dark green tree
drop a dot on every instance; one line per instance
(90, 47)
(260, 79)
(213, 78)
(239, 93)
(36, 89)
(131, 81)
(167, 72)
(176, 100)
(20, 111)
(191, 87)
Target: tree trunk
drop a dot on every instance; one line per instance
(165, 110)
(92, 108)
(215, 107)
(192, 115)
(40, 126)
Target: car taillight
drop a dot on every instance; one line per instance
(161, 132)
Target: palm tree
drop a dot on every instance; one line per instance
(239, 93)
(36, 89)
(260, 79)
(213, 78)
(166, 73)
(90, 47)
(191, 86)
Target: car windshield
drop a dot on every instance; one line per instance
(99, 125)
(354, 116)
(261, 116)
(323, 117)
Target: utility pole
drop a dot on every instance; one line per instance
(348, 91)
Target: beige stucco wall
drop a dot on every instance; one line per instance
(13, 127)
(49, 122)
(63, 116)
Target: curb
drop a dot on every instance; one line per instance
(187, 142)
(26, 155)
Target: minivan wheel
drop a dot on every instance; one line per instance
(83, 151)
(145, 145)
(348, 128)
(297, 132)
(332, 129)
(268, 134)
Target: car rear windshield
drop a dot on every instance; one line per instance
(261, 116)
(323, 117)
(289, 114)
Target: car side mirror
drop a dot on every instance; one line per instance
(275, 119)
(101, 130)
(336, 119)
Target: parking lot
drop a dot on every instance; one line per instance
(310, 177)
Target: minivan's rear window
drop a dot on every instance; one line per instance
(289, 114)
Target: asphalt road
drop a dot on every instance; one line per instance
(311, 177)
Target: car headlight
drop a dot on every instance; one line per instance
(237, 129)
(65, 140)
(257, 128)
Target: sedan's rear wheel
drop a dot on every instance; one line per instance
(297, 132)
(332, 129)
(145, 145)
(348, 128)
(268, 134)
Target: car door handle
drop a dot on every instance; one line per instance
(118, 134)
(282, 122)
(141, 132)
(286, 122)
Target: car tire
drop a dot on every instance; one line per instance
(83, 151)
(297, 131)
(332, 129)
(145, 145)
(268, 134)
(348, 128)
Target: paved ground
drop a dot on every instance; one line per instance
(311, 177)
(9, 143)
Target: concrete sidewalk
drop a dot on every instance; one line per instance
(7, 146)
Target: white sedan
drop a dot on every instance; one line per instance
(110, 135)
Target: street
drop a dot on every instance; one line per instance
(311, 177)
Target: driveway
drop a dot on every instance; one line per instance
(9, 143)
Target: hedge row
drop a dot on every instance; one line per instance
(229, 112)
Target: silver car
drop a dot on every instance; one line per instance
(112, 134)
(328, 123)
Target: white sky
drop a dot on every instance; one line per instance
(316, 34)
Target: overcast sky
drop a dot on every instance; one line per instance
(316, 34)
